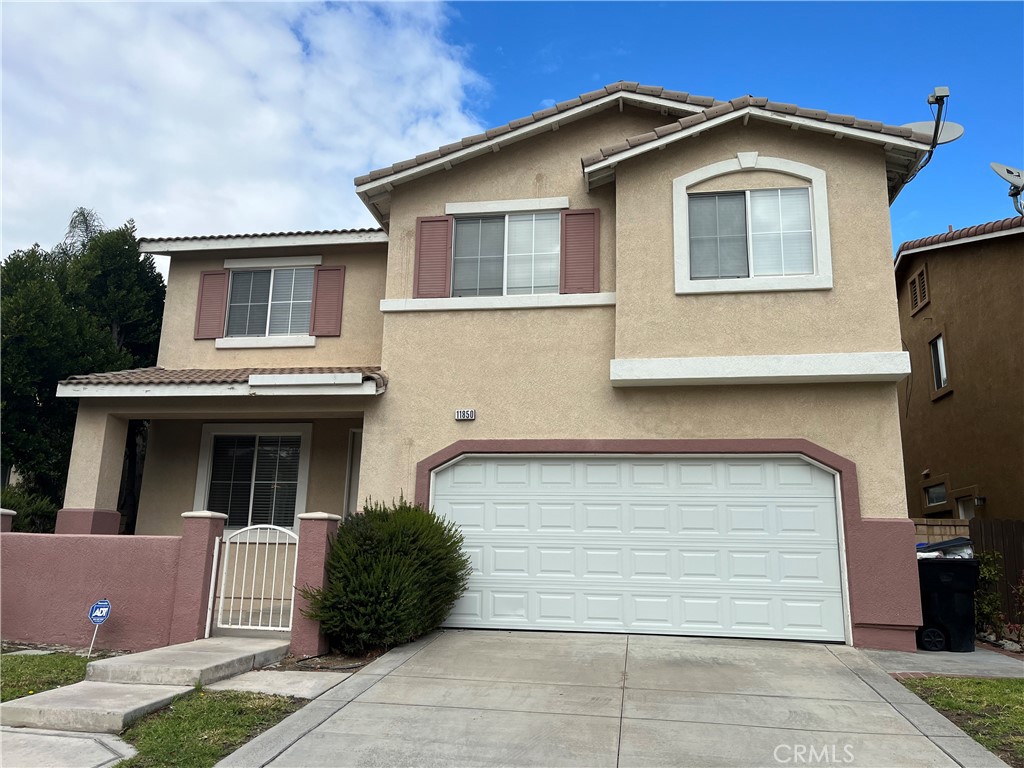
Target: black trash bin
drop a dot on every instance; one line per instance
(947, 604)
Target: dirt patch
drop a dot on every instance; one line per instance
(968, 722)
(331, 662)
(10, 646)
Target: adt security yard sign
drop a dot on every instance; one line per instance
(98, 613)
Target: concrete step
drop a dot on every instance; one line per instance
(201, 661)
(88, 706)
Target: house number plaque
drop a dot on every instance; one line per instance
(465, 414)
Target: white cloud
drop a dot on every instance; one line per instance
(218, 118)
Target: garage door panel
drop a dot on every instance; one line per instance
(730, 546)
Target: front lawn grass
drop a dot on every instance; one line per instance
(25, 675)
(990, 710)
(200, 729)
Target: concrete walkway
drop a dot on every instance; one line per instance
(468, 698)
(982, 663)
(37, 730)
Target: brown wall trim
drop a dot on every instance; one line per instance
(880, 561)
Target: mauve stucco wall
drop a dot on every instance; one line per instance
(361, 322)
(169, 481)
(48, 582)
(859, 313)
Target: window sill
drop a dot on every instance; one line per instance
(533, 301)
(264, 342)
(938, 394)
(755, 284)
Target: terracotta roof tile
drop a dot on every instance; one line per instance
(710, 107)
(178, 376)
(360, 230)
(1014, 222)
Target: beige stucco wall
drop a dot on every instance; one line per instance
(169, 482)
(544, 374)
(547, 165)
(361, 322)
(857, 315)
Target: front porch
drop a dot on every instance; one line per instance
(262, 446)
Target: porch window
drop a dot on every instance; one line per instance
(255, 474)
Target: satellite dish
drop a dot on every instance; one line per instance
(1015, 176)
(947, 133)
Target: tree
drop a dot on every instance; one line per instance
(90, 304)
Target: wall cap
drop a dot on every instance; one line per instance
(318, 516)
(205, 514)
(7, 513)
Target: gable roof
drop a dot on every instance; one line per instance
(1010, 226)
(903, 147)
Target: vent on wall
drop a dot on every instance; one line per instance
(918, 290)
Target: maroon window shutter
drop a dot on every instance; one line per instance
(580, 263)
(328, 296)
(212, 304)
(433, 275)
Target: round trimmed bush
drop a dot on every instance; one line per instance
(393, 574)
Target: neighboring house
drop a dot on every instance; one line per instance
(642, 346)
(962, 408)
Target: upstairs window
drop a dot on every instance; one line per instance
(940, 376)
(507, 255)
(270, 302)
(756, 233)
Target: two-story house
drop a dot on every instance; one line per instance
(962, 409)
(642, 346)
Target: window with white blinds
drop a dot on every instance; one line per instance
(506, 255)
(254, 478)
(756, 233)
(270, 302)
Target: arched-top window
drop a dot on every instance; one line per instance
(743, 237)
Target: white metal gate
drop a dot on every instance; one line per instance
(256, 582)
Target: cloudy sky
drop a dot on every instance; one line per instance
(209, 118)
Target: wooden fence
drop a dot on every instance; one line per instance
(1007, 538)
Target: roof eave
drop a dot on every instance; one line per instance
(170, 246)
(372, 191)
(602, 172)
(958, 241)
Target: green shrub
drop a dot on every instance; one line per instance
(36, 513)
(393, 574)
(988, 606)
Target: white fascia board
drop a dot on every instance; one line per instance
(159, 246)
(213, 390)
(533, 301)
(775, 117)
(540, 126)
(839, 367)
(507, 206)
(303, 379)
(959, 241)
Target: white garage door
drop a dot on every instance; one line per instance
(738, 546)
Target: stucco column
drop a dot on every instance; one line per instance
(6, 519)
(194, 578)
(315, 533)
(94, 475)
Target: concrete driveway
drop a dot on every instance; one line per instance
(468, 698)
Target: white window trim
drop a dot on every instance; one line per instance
(270, 263)
(519, 301)
(267, 340)
(527, 205)
(263, 342)
(305, 433)
(752, 161)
